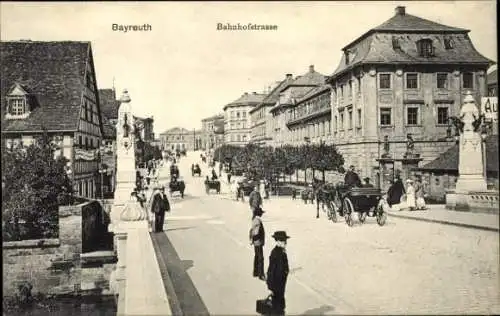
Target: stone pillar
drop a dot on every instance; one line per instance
(471, 165)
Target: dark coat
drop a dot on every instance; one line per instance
(352, 179)
(396, 190)
(164, 205)
(277, 271)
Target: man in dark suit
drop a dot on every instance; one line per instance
(162, 207)
(351, 178)
(277, 273)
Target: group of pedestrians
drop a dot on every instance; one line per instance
(278, 269)
(414, 193)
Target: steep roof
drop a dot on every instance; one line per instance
(273, 96)
(53, 72)
(214, 117)
(448, 161)
(376, 45)
(253, 98)
(313, 92)
(109, 103)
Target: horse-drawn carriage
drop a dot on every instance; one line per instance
(213, 184)
(177, 185)
(195, 169)
(307, 195)
(345, 201)
(245, 187)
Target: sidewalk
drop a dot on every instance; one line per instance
(439, 214)
(434, 214)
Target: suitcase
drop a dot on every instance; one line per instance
(264, 306)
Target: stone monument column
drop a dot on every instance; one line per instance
(471, 165)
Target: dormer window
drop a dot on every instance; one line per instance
(448, 43)
(17, 106)
(425, 48)
(395, 43)
(17, 103)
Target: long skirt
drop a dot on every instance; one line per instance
(421, 203)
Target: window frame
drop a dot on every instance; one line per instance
(417, 80)
(13, 104)
(382, 111)
(407, 113)
(472, 80)
(441, 106)
(379, 84)
(425, 48)
(447, 84)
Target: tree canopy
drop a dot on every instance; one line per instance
(34, 185)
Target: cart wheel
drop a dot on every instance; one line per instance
(362, 217)
(348, 209)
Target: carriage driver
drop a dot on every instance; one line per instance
(351, 178)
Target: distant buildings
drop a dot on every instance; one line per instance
(109, 110)
(52, 86)
(212, 132)
(179, 138)
(237, 124)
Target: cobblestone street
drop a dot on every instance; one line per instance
(405, 266)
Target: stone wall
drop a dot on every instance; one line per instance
(52, 266)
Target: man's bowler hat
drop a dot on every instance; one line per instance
(280, 235)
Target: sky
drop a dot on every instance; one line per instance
(184, 69)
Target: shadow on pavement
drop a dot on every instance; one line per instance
(177, 197)
(180, 228)
(185, 296)
(319, 310)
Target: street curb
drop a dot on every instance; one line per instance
(436, 221)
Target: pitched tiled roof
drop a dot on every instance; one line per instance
(273, 96)
(253, 98)
(214, 117)
(314, 91)
(448, 161)
(376, 45)
(53, 72)
(109, 103)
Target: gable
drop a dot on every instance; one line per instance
(17, 91)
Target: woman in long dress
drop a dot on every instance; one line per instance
(410, 195)
(419, 195)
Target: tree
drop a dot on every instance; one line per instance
(35, 184)
(326, 158)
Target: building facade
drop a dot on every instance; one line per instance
(260, 116)
(398, 84)
(492, 80)
(237, 122)
(311, 117)
(292, 90)
(52, 86)
(212, 132)
(179, 138)
(109, 116)
(146, 126)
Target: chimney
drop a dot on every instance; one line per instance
(311, 68)
(400, 10)
(289, 76)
